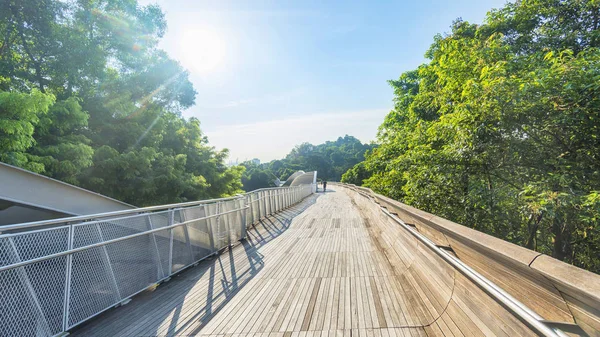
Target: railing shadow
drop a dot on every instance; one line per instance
(174, 306)
(260, 234)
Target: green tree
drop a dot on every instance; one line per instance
(20, 113)
(257, 176)
(116, 126)
(330, 159)
(498, 131)
(61, 146)
(356, 175)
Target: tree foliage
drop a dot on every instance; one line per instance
(330, 159)
(499, 130)
(87, 97)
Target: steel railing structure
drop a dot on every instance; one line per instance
(59, 273)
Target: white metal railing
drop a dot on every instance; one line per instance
(59, 273)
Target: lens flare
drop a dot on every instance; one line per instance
(202, 50)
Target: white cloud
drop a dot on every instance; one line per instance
(273, 139)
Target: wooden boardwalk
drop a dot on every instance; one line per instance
(312, 270)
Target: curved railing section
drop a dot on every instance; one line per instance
(59, 273)
(548, 295)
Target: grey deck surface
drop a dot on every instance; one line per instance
(312, 270)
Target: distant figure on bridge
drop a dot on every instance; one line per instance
(324, 186)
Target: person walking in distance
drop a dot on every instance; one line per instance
(324, 186)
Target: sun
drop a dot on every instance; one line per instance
(202, 50)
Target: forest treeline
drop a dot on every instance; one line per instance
(500, 129)
(87, 97)
(330, 159)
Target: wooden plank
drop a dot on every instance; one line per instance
(378, 305)
(311, 305)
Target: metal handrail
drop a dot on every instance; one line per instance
(530, 317)
(104, 243)
(81, 218)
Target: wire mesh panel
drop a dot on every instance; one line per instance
(255, 207)
(93, 287)
(32, 297)
(277, 200)
(262, 204)
(251, 212)
(235, 219)
(181, 254)
(209, 210)
(222, 228)
(226, 219)
(269, 203)
(198, 231)
(283, 200)
(162, 239)
(134, 262)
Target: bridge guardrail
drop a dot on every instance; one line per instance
(59, 273)
(564, 296)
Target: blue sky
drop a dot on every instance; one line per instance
(273, 74)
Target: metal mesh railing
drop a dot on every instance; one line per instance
(56, 274)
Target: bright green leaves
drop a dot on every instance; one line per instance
(499, 130)
(19, 115)
(115, 127)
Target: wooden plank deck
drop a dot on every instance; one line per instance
(312, 270)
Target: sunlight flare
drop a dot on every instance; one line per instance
(202, 50)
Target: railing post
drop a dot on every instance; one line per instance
(260, 204)
(171, 220)
(253, 206)
(210, 231)
(68, 273)
(25, 279)
(219, 227)
(244, 202)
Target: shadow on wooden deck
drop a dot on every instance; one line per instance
(194, 296)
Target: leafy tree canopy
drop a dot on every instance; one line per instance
(499, 130)
(87, 97)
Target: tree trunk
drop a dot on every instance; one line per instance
(561, 249)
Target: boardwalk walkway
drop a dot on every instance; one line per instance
(312, 270)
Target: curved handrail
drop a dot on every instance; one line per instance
(472, 237)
